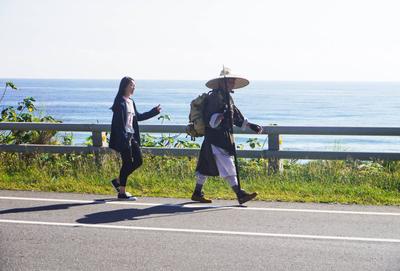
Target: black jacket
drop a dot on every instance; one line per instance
(119, 137)
(220, 136)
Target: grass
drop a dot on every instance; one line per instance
(376, 183)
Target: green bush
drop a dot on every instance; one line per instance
(25, 111)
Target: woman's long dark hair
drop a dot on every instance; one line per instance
(121, 90)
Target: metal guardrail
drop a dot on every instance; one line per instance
(292, 130)
(273, 153)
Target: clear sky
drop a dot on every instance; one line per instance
(335, 40)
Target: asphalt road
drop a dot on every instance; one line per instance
(54, 231)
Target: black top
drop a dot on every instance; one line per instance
(119, 137)
(220, 136)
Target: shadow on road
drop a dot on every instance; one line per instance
(139, 214)
(52, 207)
(121, 214)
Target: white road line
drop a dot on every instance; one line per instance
(205, 205)
(82, 201)
(240, 233)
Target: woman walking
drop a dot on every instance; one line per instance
(125, 134)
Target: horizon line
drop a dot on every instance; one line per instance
(148, 79)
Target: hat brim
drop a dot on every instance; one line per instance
(240, 82)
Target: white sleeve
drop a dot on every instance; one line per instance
(214, 123)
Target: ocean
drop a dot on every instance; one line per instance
(372, 104)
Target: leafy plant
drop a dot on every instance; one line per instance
(25, 111)
(67, 139)
(254, 143)
(8, 85)
(163, 118)
(89, 141)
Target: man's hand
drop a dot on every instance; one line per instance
(256, 128)
(220, 118)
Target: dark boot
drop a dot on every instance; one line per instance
(242, 195)
(198, 194)
(200, 198)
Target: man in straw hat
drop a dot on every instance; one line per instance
(217, 151)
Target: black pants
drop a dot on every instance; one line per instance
(131, 160)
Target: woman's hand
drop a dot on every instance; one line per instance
(157, 108)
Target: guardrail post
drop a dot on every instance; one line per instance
(97, 140)
(274, 164)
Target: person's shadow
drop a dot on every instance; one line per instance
(52, 207)
(121, 214)
(139, 214)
